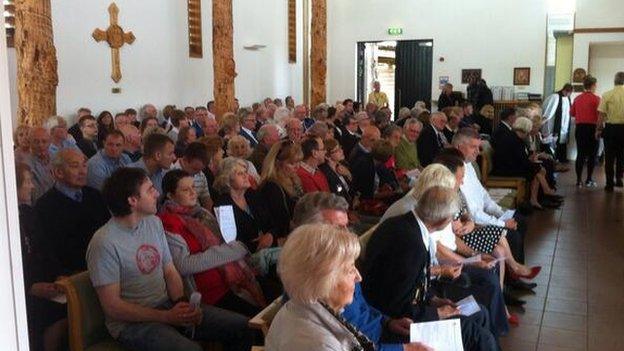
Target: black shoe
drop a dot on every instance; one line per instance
(619, 183)
(511, 300)
(520, 285)
(609, 188)
(553, 198)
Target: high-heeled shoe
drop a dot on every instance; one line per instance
(534, 272)
(513, 319)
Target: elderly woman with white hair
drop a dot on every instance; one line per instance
(514, 160)
(317, 267)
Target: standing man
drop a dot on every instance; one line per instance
(611, 127)
(377, 97)
(557, 120)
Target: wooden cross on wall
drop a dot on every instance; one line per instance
(116, 38)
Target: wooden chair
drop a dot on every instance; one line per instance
(262, 321)
(85, 316)
(87, 331)
(515, 183)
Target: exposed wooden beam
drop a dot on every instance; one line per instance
(223, 56)
(599, 30)
(37, 77)
(318, 52)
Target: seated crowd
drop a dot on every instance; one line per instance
(136, 201)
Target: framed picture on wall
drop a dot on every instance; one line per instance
(522, 76)
(469, 75)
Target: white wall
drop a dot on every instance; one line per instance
(582, 42)
(468, 34)
(604, 61)
(599, 14)
(156, 67)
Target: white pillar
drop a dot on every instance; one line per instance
(14, 330)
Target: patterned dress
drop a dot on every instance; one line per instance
(481, 239)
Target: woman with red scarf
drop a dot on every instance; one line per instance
(209, 265)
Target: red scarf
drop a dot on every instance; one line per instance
(238, 275)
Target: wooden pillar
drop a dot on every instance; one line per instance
(223, 56)
(36, 61)
(318, 52)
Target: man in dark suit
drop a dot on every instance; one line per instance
(349, 137)
(248, 125)
(432, 139)
(362, 163)
(396, 277)
(505, 143)
(447, 98)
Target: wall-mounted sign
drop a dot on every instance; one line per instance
(395, 31)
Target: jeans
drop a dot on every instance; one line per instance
(217, 324)
(476, 335)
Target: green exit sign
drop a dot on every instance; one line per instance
(395, 31)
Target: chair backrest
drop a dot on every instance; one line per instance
(486, 161)
(364, 241)
(85, 315)
(262, 321)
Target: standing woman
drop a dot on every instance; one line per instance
(280, 185)
(105, 125)
(585, 111)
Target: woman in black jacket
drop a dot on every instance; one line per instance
(253, 223)
(337, 173)
(280, 185)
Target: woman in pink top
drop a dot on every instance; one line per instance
(585, 111)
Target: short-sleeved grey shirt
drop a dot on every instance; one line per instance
(134, 258)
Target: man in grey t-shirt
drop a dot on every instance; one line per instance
(140, 290)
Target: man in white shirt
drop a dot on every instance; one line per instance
(557, 120)
(484, 210)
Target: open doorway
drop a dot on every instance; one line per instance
(403, 69)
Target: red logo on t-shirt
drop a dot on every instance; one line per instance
(147, 258)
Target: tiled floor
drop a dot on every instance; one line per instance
(579, 301)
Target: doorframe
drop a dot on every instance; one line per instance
(360, 90)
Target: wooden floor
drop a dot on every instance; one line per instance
(579, 302)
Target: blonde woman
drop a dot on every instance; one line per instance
(239, 147)
(484, 119)
(280, 185)
(317, 267)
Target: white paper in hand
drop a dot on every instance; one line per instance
(442, 335)
(468, 306)
(227, 223)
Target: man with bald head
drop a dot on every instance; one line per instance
(39, 161)
(70, 212)
(362, 164)
(432, 139)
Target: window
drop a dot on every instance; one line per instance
(9, 21)
(195, 28)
